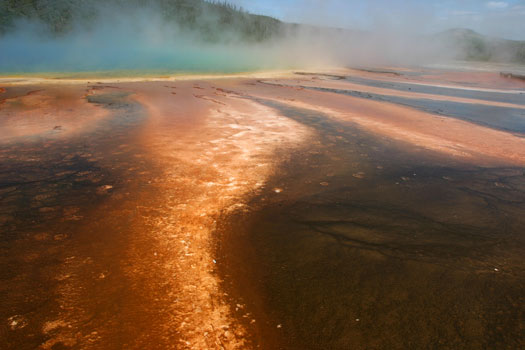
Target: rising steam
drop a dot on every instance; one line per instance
(142, 37)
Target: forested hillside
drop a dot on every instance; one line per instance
(210, 19)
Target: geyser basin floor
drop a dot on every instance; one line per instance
(369, 244)
(232, 213)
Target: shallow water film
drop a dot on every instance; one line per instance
(373, 246)
(347, 209)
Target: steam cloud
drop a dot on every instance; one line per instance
(141, 38)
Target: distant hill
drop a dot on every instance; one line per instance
(470, 45)
(210, 19)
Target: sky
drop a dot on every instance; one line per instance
(495, 18)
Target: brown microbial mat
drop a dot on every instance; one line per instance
(349, 209)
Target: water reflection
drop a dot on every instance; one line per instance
(503, 118)
(49, 187)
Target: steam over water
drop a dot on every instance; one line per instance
(121, 49)
(142, 38)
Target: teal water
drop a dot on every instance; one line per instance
(23, 56)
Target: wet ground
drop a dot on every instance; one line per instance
(422, 96)
(263, 212)
(107, 218)
(54, 241)
(473, 93)
(503, 118)
(369, 244)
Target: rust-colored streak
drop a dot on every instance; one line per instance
(212, 160)
(208, 161)
(468, 141)
(345, 85)
(469, 79)
(200, 156)
(43, 112)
